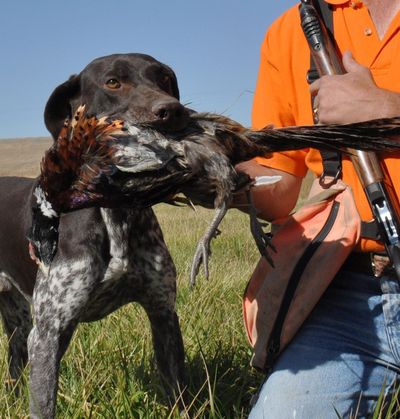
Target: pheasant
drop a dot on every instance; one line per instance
(97, 161)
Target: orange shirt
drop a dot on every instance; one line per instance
(282, 95)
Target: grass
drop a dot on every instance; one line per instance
(109, 370)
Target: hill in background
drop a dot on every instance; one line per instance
(22, 156)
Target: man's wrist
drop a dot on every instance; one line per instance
(391, 105)
(388, 106)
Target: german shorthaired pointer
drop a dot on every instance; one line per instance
(106, 257)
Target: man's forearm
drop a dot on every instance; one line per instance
(271, 201)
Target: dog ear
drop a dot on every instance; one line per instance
(174, 85)
(58, 107)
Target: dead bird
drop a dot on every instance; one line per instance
(108, 163)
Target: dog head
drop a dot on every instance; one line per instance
(133, 87)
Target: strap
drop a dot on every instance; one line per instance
(331, 160)
(332, 167)
(275, 338)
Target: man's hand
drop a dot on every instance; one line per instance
(352, 97)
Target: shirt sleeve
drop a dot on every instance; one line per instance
(272, 100)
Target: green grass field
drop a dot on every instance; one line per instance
(109, 371)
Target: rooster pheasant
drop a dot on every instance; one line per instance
(107, 163)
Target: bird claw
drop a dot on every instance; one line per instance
(217, 232)
(265, 244)
(268, 258)
(203, 249)
(201, 257)
(262, 239)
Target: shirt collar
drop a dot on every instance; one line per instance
(337, 2)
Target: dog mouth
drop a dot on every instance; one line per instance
(177, 122)
(164, 120)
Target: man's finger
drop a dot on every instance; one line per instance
(314, 87)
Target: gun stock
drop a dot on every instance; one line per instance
(374, 179)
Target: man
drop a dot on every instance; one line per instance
(349, 348)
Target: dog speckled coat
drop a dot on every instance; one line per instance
(106, 257)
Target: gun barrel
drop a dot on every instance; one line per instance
(323, 51)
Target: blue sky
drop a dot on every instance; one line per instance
(213, 46)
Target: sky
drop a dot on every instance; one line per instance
(212, 45)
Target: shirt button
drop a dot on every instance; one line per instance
(367, 31)
(355, 4)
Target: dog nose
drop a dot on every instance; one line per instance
(170, 114)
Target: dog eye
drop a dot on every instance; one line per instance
(166, 83)
(113, 84)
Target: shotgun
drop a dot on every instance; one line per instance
(373, 177)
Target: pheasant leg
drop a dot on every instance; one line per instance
(203, 250)
(261, 238)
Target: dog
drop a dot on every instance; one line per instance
(106, 257)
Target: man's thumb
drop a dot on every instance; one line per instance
(350, 64)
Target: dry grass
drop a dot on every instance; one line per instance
(22, 157)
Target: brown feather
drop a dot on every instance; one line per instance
(79, 155)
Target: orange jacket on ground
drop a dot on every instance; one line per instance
(282, 94)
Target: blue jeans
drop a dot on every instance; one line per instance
(347, 350)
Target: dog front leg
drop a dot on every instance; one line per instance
(169, 351)
(58, 301)
(46, 347)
